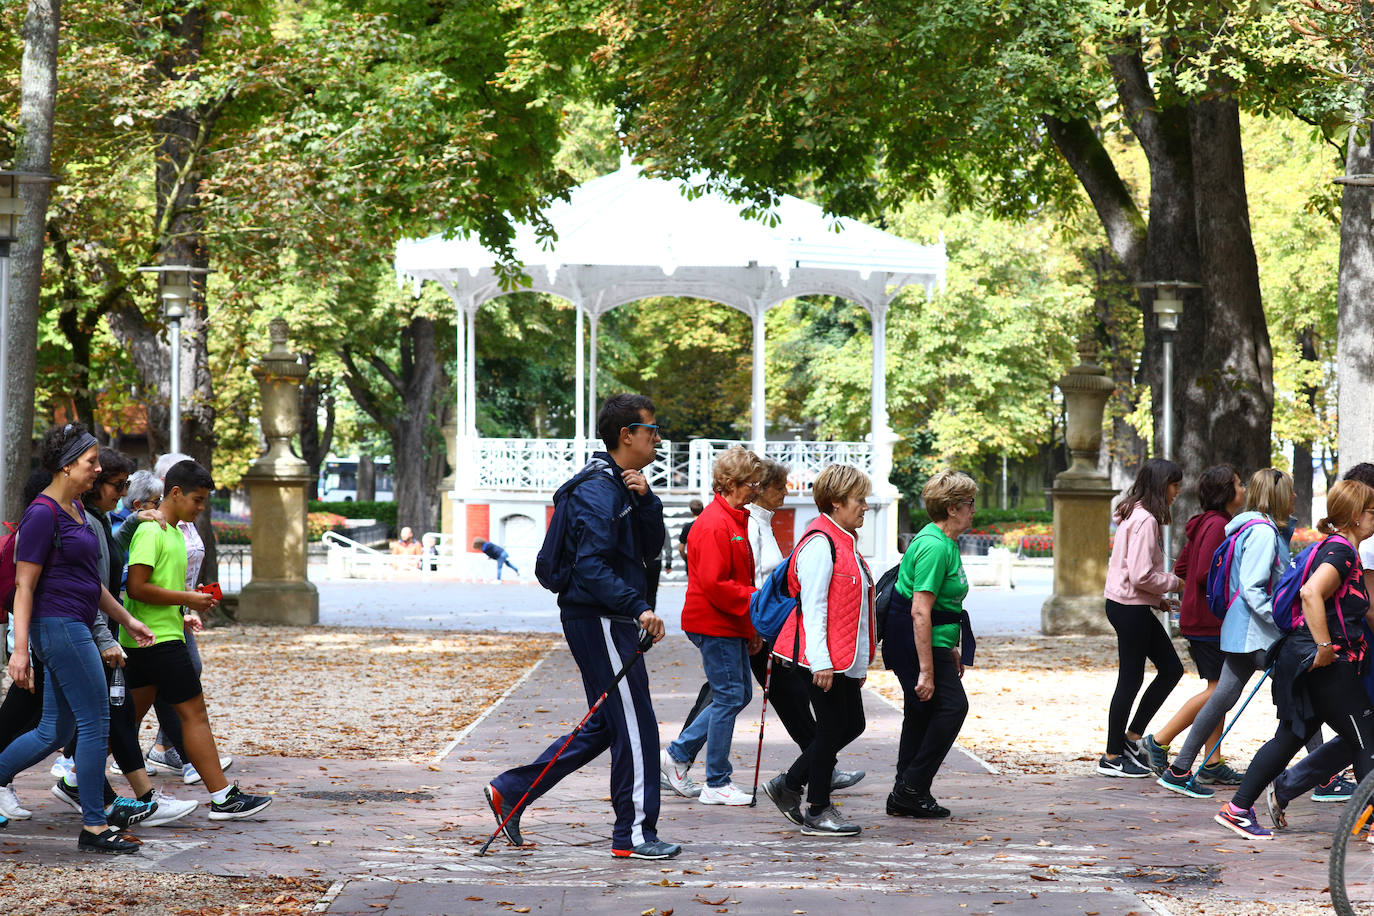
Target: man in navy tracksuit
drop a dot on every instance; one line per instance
(616, 527)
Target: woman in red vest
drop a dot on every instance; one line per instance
(834, 639)
(715, 617)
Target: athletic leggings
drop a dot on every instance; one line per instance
(839, 720)
(1236, 670)
(1139, 636)
(1340, 701)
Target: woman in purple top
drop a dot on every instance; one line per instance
(58, 587)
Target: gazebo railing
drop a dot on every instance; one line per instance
(543, 465)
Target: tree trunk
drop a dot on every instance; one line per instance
(412, 424)
(315, 445)
(38, 97)
(365, 483)
(1355, 307)
(1229, 398)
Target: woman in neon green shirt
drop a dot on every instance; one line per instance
(921, 644)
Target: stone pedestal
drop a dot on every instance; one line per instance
(1082, 508)
(279, 591)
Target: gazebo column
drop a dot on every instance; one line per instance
(757, 425)
(593, 404)
(580, 379)
(881, 435)
(470, 419)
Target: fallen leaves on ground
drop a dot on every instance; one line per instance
(354, 694)
(1038, 704)
(50, 890)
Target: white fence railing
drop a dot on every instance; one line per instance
(542, 465)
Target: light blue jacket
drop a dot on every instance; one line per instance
(1262, 555)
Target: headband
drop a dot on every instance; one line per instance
(76, 448)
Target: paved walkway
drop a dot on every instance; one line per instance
(401, 838)
(523, 606)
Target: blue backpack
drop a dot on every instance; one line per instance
(1219, 594)
(1287, 606)
(773, 603)
(554, 564)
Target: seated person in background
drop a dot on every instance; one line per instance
(497, 553)
(407, 546)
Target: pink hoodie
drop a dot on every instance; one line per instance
(1136, 573)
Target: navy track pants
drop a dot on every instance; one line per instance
(625, 724)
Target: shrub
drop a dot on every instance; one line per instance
(231, 531)
(1302, 537)
(383, 512)
(317, 523)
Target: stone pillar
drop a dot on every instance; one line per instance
(1082, 507)
(279, 591)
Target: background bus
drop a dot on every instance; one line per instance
(339, 481)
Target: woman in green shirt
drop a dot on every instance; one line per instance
(921, 644)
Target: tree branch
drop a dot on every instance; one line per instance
(362, 392)
(1116, 208)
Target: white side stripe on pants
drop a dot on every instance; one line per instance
(632, 734)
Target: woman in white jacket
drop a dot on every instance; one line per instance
(1248, 629)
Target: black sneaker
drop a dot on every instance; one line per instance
(67, 793)
(904, 801)
(108, 842)
(1138, 753)
(844, 779)
(1336, 789)
(656, 849)
(500, 809)
(125, 812)
(1121, 766)
(238, 805)
(788, 801)
(1183, 784)
(828, 823)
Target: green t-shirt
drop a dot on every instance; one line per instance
(931, 564)
(164, 549)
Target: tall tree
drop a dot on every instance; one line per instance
(1007, 104)
(33, 137)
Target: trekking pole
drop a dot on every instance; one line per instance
(1192, 780)
(646, 640)
(763, 719)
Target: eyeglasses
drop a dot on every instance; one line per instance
(968, 502)
(121, 487)
(652, 427)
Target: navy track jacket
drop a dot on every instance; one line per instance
(614, 533)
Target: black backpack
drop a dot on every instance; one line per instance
(882, 599)
(554, 565)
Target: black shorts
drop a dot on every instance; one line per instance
(166, 666)
(1207, 656)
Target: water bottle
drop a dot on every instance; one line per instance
(117, 687)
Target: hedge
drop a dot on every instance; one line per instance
(383, 512)
(1003, 519)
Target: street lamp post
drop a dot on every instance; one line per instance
(1168, 306)
(175, 287)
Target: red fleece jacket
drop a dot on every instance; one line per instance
(720, 573)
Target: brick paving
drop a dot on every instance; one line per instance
(401, 838)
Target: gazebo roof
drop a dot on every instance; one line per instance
(624, 237)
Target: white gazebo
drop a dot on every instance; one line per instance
(625, 237)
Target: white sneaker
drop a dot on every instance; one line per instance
(169, 809)
(191, 777)
(9, 805)
(676, 776)
(728, 794)
(62, 766)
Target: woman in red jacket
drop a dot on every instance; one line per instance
(715, 617)
(1220, 496)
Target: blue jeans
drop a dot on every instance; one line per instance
(726, 661)
(504, 560)
(75, 696)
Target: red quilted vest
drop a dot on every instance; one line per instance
(844, 600)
